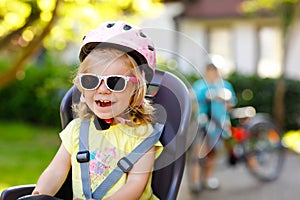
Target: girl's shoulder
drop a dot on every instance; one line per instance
(144, 130)
(73, 126)
(75, 123)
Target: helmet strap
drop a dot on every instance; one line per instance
(82, 98)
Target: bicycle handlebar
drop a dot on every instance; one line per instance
(38, 197)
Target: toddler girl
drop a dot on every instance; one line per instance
(117, 60)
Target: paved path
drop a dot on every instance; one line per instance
(238, 184)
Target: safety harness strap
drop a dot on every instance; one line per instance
(83, 157)
(124, 165)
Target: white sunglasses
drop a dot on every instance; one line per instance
(115, 83)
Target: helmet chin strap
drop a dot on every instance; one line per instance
(122, 120)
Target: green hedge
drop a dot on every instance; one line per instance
(292, 105)
(36, 98)
(263, 96)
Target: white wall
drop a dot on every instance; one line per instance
(245, 47)
(184, 46)
(193, 44)
(293, 63)
(193, 37)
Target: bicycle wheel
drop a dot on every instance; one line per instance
(264, 153)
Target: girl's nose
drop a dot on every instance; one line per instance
(102, 88)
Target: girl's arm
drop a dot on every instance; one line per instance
(137, 178)
(55, 174)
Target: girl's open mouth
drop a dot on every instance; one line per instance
(103, 103)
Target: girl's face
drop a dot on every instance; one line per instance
(104, 103)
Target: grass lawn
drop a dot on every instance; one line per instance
(25, 151)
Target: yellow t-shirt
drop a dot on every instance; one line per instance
(106, 147)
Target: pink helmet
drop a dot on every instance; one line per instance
(124, 37)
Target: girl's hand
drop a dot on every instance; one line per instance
(35, 192)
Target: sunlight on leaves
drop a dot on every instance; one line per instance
(27, 35)
(14, 14)
(75, 17)
(46, 4)
(256, 5)
(72, 26)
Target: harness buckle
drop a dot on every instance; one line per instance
(125, 165)
(83, 156)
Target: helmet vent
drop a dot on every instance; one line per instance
(142, 35)
(110, 25)
(151, 48)
(84, 37)
(127, 27)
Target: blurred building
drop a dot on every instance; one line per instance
(234, 41)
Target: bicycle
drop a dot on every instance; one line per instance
(255, 140)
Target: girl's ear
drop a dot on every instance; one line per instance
(82, 98)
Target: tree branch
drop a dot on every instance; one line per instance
(34, 47)
(30, 20)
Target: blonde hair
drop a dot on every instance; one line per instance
(140, 109)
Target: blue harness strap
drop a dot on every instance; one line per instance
(124, 165)
(83, 157)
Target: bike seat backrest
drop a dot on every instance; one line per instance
(171, 98)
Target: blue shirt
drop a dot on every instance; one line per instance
(216, 107)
